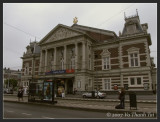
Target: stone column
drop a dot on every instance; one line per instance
(120, 63)
(66, 87)
(41, 61)
(65, 55)
(46, 60)
(55, 56)
(76, 56)
(150, 80)
(33, 66)
(120, 56)
(83, 55)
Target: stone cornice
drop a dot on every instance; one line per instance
(61, 40)
(31, 56)
(134, 36)
(124, 70)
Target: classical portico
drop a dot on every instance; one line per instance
(60, 57)
(64, 54)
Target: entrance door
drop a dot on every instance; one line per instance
(70, 87)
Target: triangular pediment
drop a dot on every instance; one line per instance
(60, 32)
(105, 53)
(133, 49)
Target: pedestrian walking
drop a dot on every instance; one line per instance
(63, 94)
(122, 99)
(20, 94)
(74, 92)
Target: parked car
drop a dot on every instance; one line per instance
(89, 95)
(7, 91)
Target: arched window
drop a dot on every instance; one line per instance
(72, 63)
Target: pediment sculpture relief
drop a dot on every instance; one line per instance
(61, 33)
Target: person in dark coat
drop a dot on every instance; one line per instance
(20, 94)
(122, 98)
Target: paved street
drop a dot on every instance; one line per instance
(80, 104)
(15, 110)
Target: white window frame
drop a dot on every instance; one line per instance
(133, 50)
(106, 54)
(79, 84)
(26, 69)
(135, 79)
(106, 63)
(105, 83)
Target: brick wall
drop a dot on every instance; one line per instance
(114, 52)
(139, 45)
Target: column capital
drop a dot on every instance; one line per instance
(84, 42)
(65, 46)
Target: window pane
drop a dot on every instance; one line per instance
(132, 81)
(107, 84)
(136, 62)
(132, 62)
(104, 66)
(107, 66)
(131, 55)
(139, 81)
(135, 55)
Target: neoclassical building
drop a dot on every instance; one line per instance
(86, 58)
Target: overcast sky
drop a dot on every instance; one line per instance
(25, 21)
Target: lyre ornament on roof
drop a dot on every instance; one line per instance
(75, 20)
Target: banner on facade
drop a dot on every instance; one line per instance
(49, 73)
(69, 70)
(59, 71)
(48, 91)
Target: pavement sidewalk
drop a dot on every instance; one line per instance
(91, 104)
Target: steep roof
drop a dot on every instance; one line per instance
(95, 33)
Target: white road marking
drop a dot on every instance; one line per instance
(26, 114)
(47, 117)
(10, 111)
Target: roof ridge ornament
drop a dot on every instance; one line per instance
(75, 20)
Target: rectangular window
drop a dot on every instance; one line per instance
(107, 84)
(139, 81)
(136, 81)
(72, 63)
(79, 84)
(132, 81)
(106, 63)
(134, 60)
